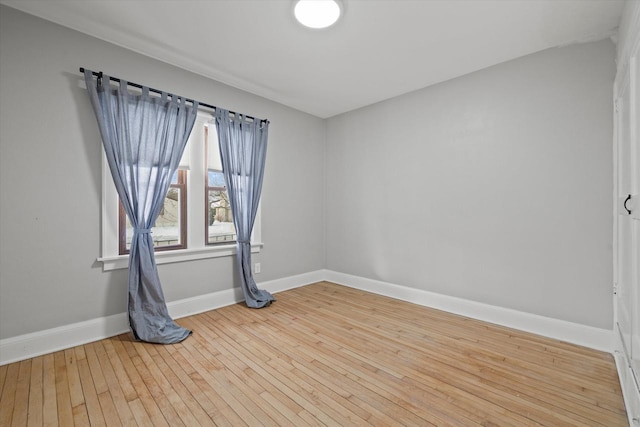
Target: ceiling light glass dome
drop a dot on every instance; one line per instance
(317, 13)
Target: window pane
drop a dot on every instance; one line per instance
(219, 219)
(220, 228)
(166, 230)
(216, 179)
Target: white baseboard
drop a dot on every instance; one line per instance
(629, 391)
(587, 336)
(628, 384)
(35, 344)
(42, 342)
(291, 282)
(202, 303)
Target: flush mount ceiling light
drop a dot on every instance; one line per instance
(317, 13)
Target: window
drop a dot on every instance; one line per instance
(196, 221)
(170, 230)
(219, 219)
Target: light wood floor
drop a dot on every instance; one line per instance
(322, 354)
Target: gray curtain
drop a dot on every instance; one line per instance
(243, 149)
(143, 138)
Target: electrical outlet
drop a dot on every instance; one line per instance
(256, 268)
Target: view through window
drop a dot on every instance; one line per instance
(170, 228)
(220, 228)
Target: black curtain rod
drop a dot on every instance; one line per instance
(99, 75)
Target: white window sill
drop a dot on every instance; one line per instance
(180, 255)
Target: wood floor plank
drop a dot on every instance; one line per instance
(212, 403)
(321, 355)
(331, 358)
(542, 393)
(140, 413)
(8, 395)
(357, 379)
(272, 384)
(3, 376)
(388, 360)
(21, 402)
(447, 402)
(151, 407)
(263, 383)
(480, 334)
(80, 415)
(109, 411)
(36, 393)
(63, 398)
(249, 391)
(160, 387)
(114, 386)
(210, 371)
(49, 399)
(198, 402)
(276, 382)
(155, 392)
(99, 382)
(73, 376)
(193, 399)
(381, 401)
(584, 388)
(306, 395)
(94, 410)
(128, 390)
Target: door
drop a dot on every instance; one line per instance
(627, 231)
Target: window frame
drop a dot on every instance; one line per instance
(122, 219)
(197, 248)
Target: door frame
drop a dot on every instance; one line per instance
(628, 78)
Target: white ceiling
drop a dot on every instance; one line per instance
(380, 49)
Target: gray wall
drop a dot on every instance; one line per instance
(494, 187)
(50, 180)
